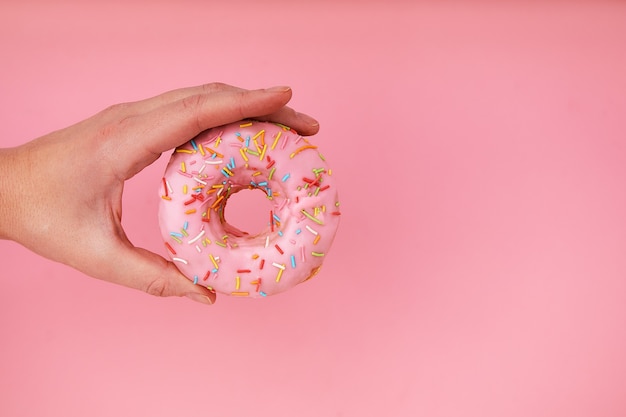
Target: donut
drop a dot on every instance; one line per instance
(205, 172)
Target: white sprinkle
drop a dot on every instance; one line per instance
(201, 169)
(169, 187)
(199, 180)
(213, 162)
(197, 237)
(267, 241)
(279, 266)
(298, 139)
(180, 260)
(310, 230)
(198, 249)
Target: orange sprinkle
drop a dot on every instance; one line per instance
(297, 151)
(317, 239)
(191, 211)
(240, 293)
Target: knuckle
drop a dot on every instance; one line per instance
(159, 287)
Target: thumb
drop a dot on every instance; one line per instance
(146, 271)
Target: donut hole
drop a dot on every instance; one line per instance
(248, 210)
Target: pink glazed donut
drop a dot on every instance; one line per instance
(205, 172)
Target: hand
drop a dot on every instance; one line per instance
(61, 194)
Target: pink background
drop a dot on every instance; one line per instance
(480, 268)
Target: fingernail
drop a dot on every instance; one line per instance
(200, 298)
(308, 119)
(279, 89)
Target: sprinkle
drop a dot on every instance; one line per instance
(310, 229)
(170, 248)
(262, 264)
(262, 294)
(271, 173)
(280, 273)
(198, 249)
(177, 239)
(206, 276)
(271, 163)
(257, 282)
(215, 204)
(165, 187)
(184, 174)
(263, 151)
(190, 201)
(302, 254)
(201, 150)
(267, 241)
(195, 279)
(336, 213)
(276, 218)
(175, 234)
(297, 151)
(214, 162)
(232, 163)
(183, 151)
(212, 152)
(279, 249)
(237, 282)
(316, 220)
(246, 124)
(276, 140)
(293, 261)
(255, 256)
(240, 293)
(196, 238)
(190, 211)
(164, 197)
(183, 167)
(277, 265)
(286, 177)
(272, 220)
(199, 181)
(217, 242)
(298, 231)
(213, 260)
(193, 143)
(317, 253)
(326, 187)
(180, 260)
(243, 154)
(243, 271)
(317, 239)
(185, 189)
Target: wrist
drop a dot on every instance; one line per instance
(9, 191)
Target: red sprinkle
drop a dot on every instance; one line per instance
(171, 249)
(191, 200)
(243, 271)
(336, 213)
(262, 263)
(326, 187)
(272, 220)
(165, 186)
(258, 284)
(206, 276)
(279, 249)
(270, 164)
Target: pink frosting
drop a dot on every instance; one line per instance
(205, 172)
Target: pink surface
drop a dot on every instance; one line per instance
(479, 269)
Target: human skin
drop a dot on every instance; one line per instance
(76, 217)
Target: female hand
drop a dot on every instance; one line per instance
(61, 194)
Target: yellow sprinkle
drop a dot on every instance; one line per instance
(318, 221)
(184, 188)
(263, 151)
(166, 197)
(183, 151)
(190, 211)
(280, 274)
(237, 283)
(201, 149)
(218, 141)
(297, 151)
(176, 239)
(261, 133)
(218, 243)
(246, 124)
(256, 173)
(243, 154)
(183, 167)
(240, 293)
(184, 232)
(276, 139)
(330, 172)
(255, 256)
(213, 260)
(228, 171)
(324, 208)
(218, 186)
(256, 144)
